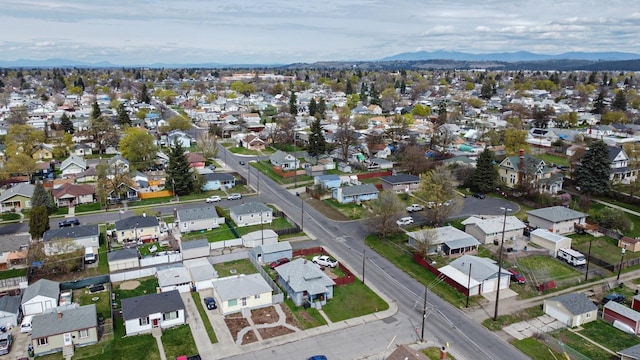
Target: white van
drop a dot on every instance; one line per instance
(25, 327)
(89, 255)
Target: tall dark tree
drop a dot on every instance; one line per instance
(485, 176)
(592, 175)
(619, 101)
(313, 107)
(42, 197)
(38, 221)
(123, 116)
(95, 111)
(293, 103)
(348, 88)
(144, 94)
(321, 109)
(66, 124)
(179, 177)
(598, 105)
(317, 144)
(488, 89)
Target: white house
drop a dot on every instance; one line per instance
(73, 165)
(251, 213)
(40, 296)
(572, 309)
(196, 219)
(488, 230)
(9, 310)
(284, 160)
(237, 293)
(175, 278)
(557, 219)
(143, 313)
(202, 273)
(83, 236)
(484, 274)
(550, 241)
(123, 259)
(445, 239)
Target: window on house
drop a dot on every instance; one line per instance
(170, 315)
(144, 321)
(43, 341)
(84, 334)
(244, 301)
(587, 315)
(257, 296)
(233, 302)
(239, 218)
(185, 225)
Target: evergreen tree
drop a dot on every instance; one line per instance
(363, 94)
(317, 144)
(313, 107)
(66, 124)
(619, 101)
(592, 176)
(95, 111)
(123, 116)
(179, 177)
(41, 197)
(144, 94)
(293, 103)
(485, 176)
(38, 221)
(598, 105)
(321, 109)
(348, 88)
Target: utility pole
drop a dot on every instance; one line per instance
(504, 225)
(468, 286)
(586, 273)
(424, 313)
(623, 250)
(302, 217)
(364, 257)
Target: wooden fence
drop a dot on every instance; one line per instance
(155, 194)
(422, 262)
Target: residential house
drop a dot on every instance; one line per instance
(118, 165)
(635, 302)
(123, 259)
(73, 165)
(620, 171)
(379, 164)
(161, 310)
(284, 161)
(271, 252)
(10, 310)
(126, 190)
(400, 183)
(43, 152)
(242, 293)
(140, 179)
(69, 239)
(88, 175)
(134, 228)
(305, 283)
(69, 328)
(259, 237)
(174, 278)
(218, 181)
(573, 309)
(71, 194)
(253, 142)
(557, 219)
(630, 244)
(251, 213)
(344, 167)
(621, 316)
(329, 181)
(13, 250)
(355, 193)
(40, 296)
(528, 171)
(550, 241)
(179, 136)
(192, 249)
(196, 161)
(197, 219)
(484, 274)
(446, 239)
(17, 197)
(494, 229)
(201, 272)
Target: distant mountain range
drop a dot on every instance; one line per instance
(520, 59)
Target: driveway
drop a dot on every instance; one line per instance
(531, 327)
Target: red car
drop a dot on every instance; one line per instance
(278, 262)
(517, 277)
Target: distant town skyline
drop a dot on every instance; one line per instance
(277, 31)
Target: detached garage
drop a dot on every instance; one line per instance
(40, 296)
(571, 309)
(202, 273)
(9, 310)
(613, 313)
(174, 279)
(550, 241)
(123, 259)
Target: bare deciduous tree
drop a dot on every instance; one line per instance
(386, 209)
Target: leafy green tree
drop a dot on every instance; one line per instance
(485, 177)
(179, 177)
(139, 147)
(421, 110)
(592, 176)
(96, 113)
(103, 132)
(619, 101)
(437, 188)
(322, 109)
(317, 144)
(66, 124)
(38, 221)
(514, 140)
(123, 116)
(488, 89)
(176, 122)
(385, 210)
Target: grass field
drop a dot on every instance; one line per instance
(242, 266)
(178, 341)
(147, 285)
(536, 350)
(546, 268)
(505, 320)
(353, 300)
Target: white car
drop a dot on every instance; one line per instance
(324, 260)
(212, 199)
(414, 207)
(234, 196)
(405, 221)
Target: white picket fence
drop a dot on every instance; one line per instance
(160, 259)
(224, 244)
(133, 274)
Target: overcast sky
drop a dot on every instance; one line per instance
(278, 31)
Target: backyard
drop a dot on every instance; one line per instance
(127, 289)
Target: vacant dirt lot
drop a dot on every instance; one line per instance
(268, 315)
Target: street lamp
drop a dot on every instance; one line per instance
(504, 225)
(623, 250)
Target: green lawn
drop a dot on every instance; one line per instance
(178, 341)
(243, 151)
(555, 159)
(266, 168)
(87, 207)
(505, 320)
(580, 345)
(547, 268)
(536, 350)
(353, 300)
(10, 216)
(600, 331)
(307, 318)
(147, 285)
(276, 224)
(433, 353)
(103, 303)
(242, 266)
(352, 211)
(220, 234)
(604, 248)
(205, 319)
(8, 274)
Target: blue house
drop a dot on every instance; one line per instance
(215, 181)
(304, 282)
(355, 193)
(330, 181)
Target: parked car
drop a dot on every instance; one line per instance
(69, 222)
(324, 260)
(241, 162)
(448, 202)
(317, 357)
(619, 298)
(478, 196)
(278, 262)
(5, 343)
(234, 196)
(212, 199)
(517, 277)
(405, 221)
(415, 207)
(211, 303)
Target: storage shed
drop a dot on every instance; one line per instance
(550, 241)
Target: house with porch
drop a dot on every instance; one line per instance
(80, 237)
(67, 328)
(355, 193)
(253, 142)
(620, 170)
(14, 250)
(196, 161)
(528, 171)
(284, 160)
(242, 293)
(305, 283)
(162, 310)
(17, 197)
(69, 194)
(557, 219)
(126, 190)
(446, 240)
(43, 152)
(400, 183)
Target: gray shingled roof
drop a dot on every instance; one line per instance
(557, 214)
(83, 317)
(400, 179)
(122, 254)
(72, 232)
(249, 208)
(201, 213)
(136, 221)
(577, 303)
(359, 190)
(13, 242)
(627, 312)
(140, 306)
(42, 287)
(23, 189)
(481, 268)
(241, 286)
(194, 244)
(304, 275)
(222, 177)
(10, 304)
(631, 352)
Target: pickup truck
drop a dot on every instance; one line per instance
(414, 207)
